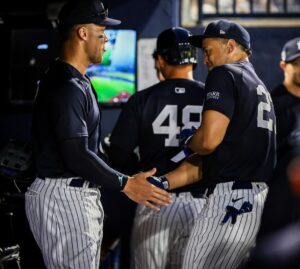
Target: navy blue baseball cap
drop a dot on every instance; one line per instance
(291, 50)
(85, 12)
(223, 29)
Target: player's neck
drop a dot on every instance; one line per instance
(180, 74)
(74, 57)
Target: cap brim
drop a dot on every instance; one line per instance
(292, 58)
(196, 40)
(107, 22)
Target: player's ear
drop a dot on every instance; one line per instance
(82, 32)
(231, 44)
(282, 65)
(160, 61)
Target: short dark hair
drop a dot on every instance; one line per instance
(155, 54)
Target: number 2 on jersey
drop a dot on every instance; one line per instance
(170, 113)
(264, 107)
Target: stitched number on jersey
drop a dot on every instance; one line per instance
(166, 122)
(264, 107)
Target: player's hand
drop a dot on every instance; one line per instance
(142, 192)
(185, 136)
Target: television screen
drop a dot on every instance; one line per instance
(31, 52)
(115, 78)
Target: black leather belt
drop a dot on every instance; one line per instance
(79, 182)
(76, 182)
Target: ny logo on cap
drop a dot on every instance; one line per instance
(222, 32)
(298, 44)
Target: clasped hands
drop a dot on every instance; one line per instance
(140, 189)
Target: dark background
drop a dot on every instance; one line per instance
(148, 18)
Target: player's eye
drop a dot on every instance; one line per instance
(206, 52)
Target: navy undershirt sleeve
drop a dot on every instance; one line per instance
(124, 138)
(219, 92)
(86, 164)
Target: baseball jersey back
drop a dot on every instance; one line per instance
(151, 121)
(248, 151)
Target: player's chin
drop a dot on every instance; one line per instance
(210, 67)
(98, 60)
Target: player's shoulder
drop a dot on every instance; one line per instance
(231, 72)
(139, 97)
(60, 83)
(169, 87)
(219, 73)
(62, 75)
(195, 84)
(144, 92)
(234, 67)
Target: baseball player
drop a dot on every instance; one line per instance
(286, 98)
(153, 119)
(236, 140)
(63, 203)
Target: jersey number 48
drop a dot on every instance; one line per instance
(170, 115)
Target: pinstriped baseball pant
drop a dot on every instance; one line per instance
(66, 222)
(213, 245)
(159, 238)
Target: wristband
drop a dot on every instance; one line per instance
(160, 182)
(123, 180)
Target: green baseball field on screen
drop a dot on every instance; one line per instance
(107, 88)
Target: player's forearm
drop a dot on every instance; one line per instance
(210, 134)
(79, 160)
(187, 173)
(200, 145)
